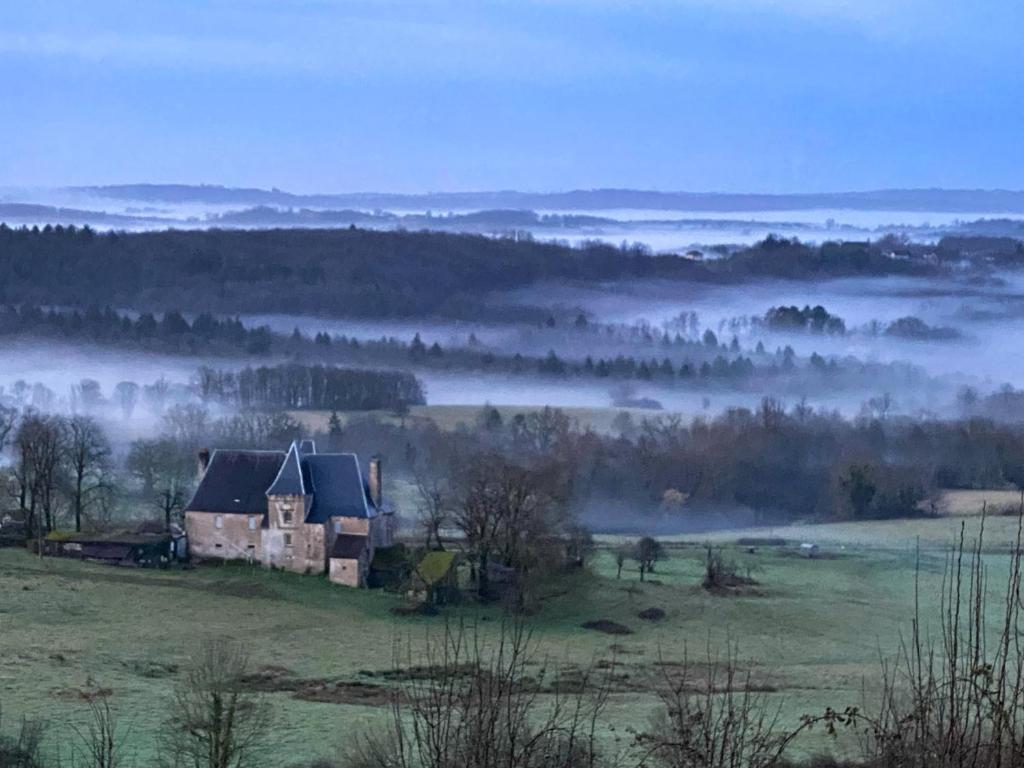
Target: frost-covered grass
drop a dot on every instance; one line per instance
(812, 629)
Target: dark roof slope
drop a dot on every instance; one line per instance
(336, 483)
(237, 481)
(289, 480)
(349, 546)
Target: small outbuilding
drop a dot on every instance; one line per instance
(349, 560)
(136, 550)
(435, 579)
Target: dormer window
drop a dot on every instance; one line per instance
(286, 516)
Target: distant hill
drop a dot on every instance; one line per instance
(947, 200)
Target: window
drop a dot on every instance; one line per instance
(218, 546)
(253, 522)
(286, 516)
(218, 521)
(287, 539)
(337, 526)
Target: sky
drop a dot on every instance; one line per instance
(536, 95)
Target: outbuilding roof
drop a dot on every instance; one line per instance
(349, 547)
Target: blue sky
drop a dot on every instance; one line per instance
(421, 95)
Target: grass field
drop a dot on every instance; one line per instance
(813, 629)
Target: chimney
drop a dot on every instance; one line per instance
(204, 461)
(376, 481)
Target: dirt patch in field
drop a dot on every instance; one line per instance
(271, 679)
(152, 670)
(420, 672)
(700, 677)
(365, 694)
(274, 679)
(81, 694)
(607, 626)
(652, 614)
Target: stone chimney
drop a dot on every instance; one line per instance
(204, 461)
(376, 481)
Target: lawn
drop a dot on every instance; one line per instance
(813, 629)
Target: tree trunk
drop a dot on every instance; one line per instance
(482, 583)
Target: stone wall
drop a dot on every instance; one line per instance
(347, 572)
(290, 543)
(223, 536)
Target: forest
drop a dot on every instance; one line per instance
(356, 272)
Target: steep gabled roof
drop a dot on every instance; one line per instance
(289, 480)
(336, 483)
(240, 481)
(236, 481)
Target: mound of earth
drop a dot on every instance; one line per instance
(366, 694)
(652, 614)
(607, 626)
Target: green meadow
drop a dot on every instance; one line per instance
(812, 632)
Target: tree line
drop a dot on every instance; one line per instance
(705, 361)
(356, 272)
(745, 466)
(294, 386)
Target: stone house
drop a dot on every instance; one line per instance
(298, 510)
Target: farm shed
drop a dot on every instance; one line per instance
(140, 550)
(390, 568)
(12, 532)
(435, 579)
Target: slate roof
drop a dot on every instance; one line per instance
(289, 480)
(237, 481)
(336, 483)
(349, 547)
(240, 481)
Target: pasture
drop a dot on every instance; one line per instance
(811, 632)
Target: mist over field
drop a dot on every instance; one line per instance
(677, 225)
(488, 384)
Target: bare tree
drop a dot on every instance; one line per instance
(433, 506)
(510, 514)
(482, 707)
(165, 468)
(715, 715)
(24, 750)
(8, 422)
(187, 424)
(87, 455)
(127, 395)
(40, 441)
(647, 551)
(102, 741)
(213, 721)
